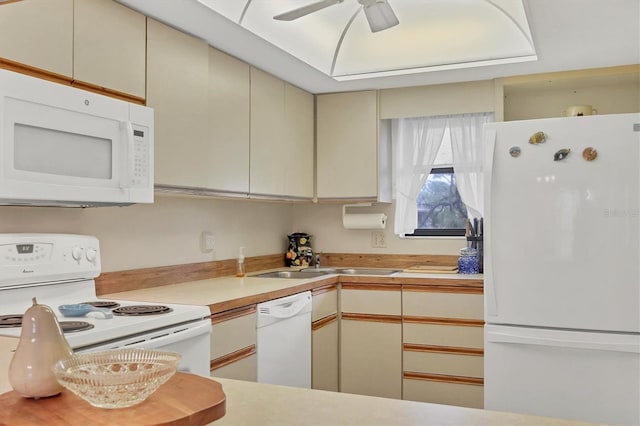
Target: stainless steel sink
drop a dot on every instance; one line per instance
(292, 274)
(352, 271)
(367, 271)
(318, 272)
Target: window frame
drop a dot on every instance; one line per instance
(442, 232)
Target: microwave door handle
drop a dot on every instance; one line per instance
(127, 176)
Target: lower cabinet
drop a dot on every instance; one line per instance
(443, 344)
(371, 339)
(233, 344)
(325, 338)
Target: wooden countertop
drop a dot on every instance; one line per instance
(185, 400)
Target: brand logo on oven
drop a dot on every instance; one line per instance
(28, 271)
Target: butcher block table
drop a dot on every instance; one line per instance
(186, 399)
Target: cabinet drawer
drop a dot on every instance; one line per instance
(325, 303)
(243, 369)
(443, 335)
(234, 333)
(461, 394)
(381, 302)
(444, 363)
(442, 305)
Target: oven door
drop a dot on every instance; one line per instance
(191, 340)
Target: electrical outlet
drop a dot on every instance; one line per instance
(207, 242)
(378, 239)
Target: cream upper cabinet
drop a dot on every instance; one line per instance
(347, 145)
(228, 122)
(38, 33)
(281, 158)
(109, 46)
(177, 79)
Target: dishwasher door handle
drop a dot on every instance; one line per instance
(286, 309)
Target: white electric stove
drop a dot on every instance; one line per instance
(59, 269)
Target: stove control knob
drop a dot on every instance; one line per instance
(76, 253)
(91, 255)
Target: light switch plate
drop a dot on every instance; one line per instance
(378, 239)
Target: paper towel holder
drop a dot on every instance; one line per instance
(363, 221)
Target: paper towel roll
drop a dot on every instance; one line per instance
(364, 221)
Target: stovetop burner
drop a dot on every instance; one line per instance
(73, 326)
(141, 310)
(15, 321)
(103, 304)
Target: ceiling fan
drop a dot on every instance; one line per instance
(379, 14)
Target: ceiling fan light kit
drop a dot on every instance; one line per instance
(348, 39)
(379, 14)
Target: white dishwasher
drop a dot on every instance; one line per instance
(284, 341)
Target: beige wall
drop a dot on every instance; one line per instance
(166, 232)
(324, 223)
(530, 102)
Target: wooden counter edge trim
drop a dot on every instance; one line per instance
(270, 295)
(235, 356)
(415, 347)
(371, 286)
(18, 67)
(390, 260)
(393, 319)
(434, 288)
(233, 313)
(319, 323)
(324, 289)
(66, 80)
(444, 378)
(443, 321)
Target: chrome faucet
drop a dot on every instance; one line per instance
(316, 261)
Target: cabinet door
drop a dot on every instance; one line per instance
(281, 138)
(347, 145)
(371, 339)
(177, 78)
(233, 344)
(39, 33)
(299, 133)
(268, 146)
(325, 339)
(324, 355)
(109, 46)
(228, 122)
(371, 358)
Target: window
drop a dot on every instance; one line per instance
(441, 211)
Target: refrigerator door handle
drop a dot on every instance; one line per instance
(502, 337)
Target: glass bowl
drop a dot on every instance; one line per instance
(118, 378)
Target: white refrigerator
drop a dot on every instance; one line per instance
(562, 267)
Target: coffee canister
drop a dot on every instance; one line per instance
(299, 252)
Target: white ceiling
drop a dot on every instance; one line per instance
(567, 34)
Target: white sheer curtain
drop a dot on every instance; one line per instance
(466, 145)
(415, 144)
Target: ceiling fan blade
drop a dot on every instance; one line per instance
(305, 10)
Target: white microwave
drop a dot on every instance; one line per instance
(62, 146)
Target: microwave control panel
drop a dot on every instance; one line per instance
(141, 154)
